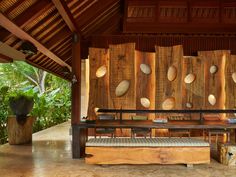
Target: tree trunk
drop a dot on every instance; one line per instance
(19, 134)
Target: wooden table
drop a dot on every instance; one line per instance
(80, 130)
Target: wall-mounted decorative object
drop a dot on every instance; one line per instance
(145, 68)
(169, 103)
(234, 77)
(172, 73)
(169, 75)
(122, 88)
(189, 78)
(213, 69)
(189, 105)
(101, 71)
(212, 99)
(145, 102)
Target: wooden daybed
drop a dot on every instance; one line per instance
(147, 151)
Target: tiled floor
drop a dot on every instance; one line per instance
(50, 156)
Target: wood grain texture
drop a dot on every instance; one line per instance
(215, 83)
(223, 154)
(194, 92)
(122, 58)
(19, 134)
(147, 155)
(230, 85)
(99, 87)
(165, 58)
(145, 83)
(122, 68)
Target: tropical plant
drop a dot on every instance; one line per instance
(52, 100)
(21, 103)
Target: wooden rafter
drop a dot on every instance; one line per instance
(16, 30)
(65, 12)
(5, 59)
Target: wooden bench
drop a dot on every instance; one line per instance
(147, 151)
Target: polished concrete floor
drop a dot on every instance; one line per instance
(50, 156)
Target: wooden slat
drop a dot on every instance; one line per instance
(99, 87)
(214, 83)
(66, 15)
(122, 68)
(194, 92)
(165, 58)
(145, 83)
(6, 23)
(230, 85)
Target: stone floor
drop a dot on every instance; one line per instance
(50, 156)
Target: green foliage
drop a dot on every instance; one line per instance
(52, 100)
(3, 114)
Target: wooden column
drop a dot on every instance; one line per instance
(77, 140)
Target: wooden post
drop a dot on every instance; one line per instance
(77, 139)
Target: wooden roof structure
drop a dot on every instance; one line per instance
(49, 25)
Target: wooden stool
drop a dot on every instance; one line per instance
(216, 132)
(179, 132)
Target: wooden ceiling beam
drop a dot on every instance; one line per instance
(29, 15)
(16, 30)
(5, 59)
(65, 12)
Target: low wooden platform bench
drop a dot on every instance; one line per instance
(147, 151)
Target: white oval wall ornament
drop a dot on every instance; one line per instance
(101, 71)
(145, 68)
(122, 88)
(145, 102)
(213, 69)
(171, 73)
(189, 78)
(96, 110)
(189, 105)
(234, 77)
(212, 99)
(169, 103)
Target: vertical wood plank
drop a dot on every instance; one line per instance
(99, 86)
(145, 83)
(215, 83)
(122, 68)
(230, 85)
(193, 93)
(165, 58)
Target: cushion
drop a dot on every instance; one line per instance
(146, 142)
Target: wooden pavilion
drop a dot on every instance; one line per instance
(63, 31)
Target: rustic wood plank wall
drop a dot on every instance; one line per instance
(98, 85)
(193, 93)
(214, 82)
(167, 57)
(145, 82)
(230, 84)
